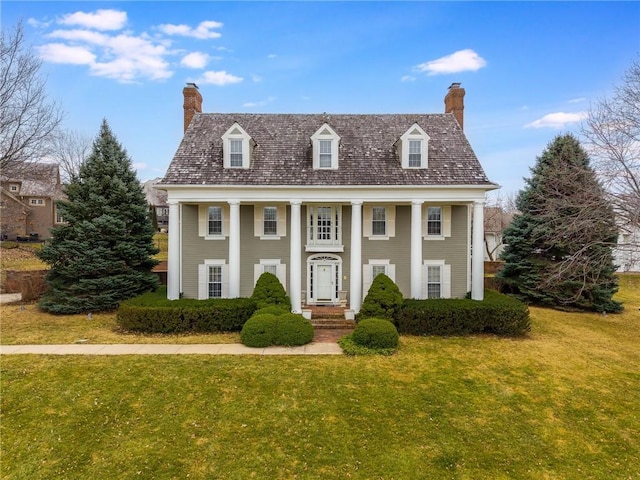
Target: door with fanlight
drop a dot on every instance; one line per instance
(323, 279)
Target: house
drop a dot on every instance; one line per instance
(28, 201)
(626, 254)
(325, 202)
(158, 201)
(496, 219)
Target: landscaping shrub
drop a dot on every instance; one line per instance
(269, 291)
(376, 333)
(497, 314)
(292, 329)
(151, 312)
(259, 331)
(383, 300)
(273, 310)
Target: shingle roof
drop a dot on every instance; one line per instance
(283, 156)
(37, 179)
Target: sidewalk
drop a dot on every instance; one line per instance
(320, 348)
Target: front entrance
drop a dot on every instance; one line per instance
(324, 279)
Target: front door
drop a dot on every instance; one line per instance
(324, 284)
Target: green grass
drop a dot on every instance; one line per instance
(561, 403)
(161, 242)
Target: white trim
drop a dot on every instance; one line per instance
(203, 221)
(335, 261)
(203, 278)
(236, 132)
(234, 249)
(281, 270)
(445, 222)
(390, 222)
(445, 277)
(416, 249)
(355, 285)
(367, 273)
(258, 221)
(333, 244)
(295, 258)
(174, 258)
(325, 132)
(477, 252)
(415, 132)
(37, 202)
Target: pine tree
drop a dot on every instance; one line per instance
(559, 247)
(103, 253)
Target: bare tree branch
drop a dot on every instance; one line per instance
(70, 149)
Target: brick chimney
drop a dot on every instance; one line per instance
(454, 103)
(192, 103)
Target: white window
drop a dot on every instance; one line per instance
(213, 221)
(36, 201)
(325, 144)
(59, 218)
(270, 221)
(413, 148)
(236, 147)
(374, 268)
(324, 228)
(213, 279)
(271, 266)
(13, 188)
(437, 279)
(379, 223)
(437, 222)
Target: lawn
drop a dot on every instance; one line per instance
(559, 404)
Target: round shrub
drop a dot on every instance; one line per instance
(269, 291)
(272, 310)
(383, 300)
(376, 333)
(259, 331)
(292, 329)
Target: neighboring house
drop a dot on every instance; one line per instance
(158, 201)
(28, 201)
(496, 219)
(325, 202)
(627, 253)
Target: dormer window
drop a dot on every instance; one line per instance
(325, 143)
(413, 148)
(236, 147)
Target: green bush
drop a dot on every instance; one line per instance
(273, 310)
(151, 312)
(265, 329)
(376, 333)
(349, 347)
(269, 291)
(259, 331)
(383, 300)
(498, 314)
(292, 329)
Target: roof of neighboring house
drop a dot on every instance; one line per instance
(154, 196)
(37, 180)
(283, 155)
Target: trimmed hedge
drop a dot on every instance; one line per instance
(273, 310)
(383, 300)
(266, 329)
(269, 291)
(376, 333)
(498, 314)
(151, 312)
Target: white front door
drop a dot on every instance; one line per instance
(324, 283)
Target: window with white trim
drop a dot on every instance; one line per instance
(236, 147)
(324, 225)
(36, 201)
(436, 222)
(59, 218)
(413, 148)
(271, 266)
(374, 268)
(270, 221)
(325, 145)
(14, 187)
(213, 221)
(378, 222)
(437, 279)
(213, 279)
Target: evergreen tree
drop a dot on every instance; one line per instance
(558, 250)
(103, 253)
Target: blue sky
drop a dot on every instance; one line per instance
(530, 69)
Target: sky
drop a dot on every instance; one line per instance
(531, 70)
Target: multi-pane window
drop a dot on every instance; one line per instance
(379, 221)
(36, 201)
(415, 153)
(235, 153)
(377, 270)
(434, 281)
(270, 220)
(434, 221)
(215, 281)
(14, 188)
(325, 154)
(270, 268)
(215, 221)
(324, 225)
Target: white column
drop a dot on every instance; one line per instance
(416, 249)
(173, 262)
(355, 285)
(295, 264)
(477, 252)
(234, 249)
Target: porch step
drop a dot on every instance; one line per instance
(332, 323)
(326, 312)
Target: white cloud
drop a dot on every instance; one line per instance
(80, 36)
(261, 103)
(195, 60)
(203, 31)
(61, 53)
(460, 61)
(220, 78)
(408, 78)
(272, 55)
(557, 120)
(35, 23)
(578, 100)
(99, 20)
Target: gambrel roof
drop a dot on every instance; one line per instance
(282, 154)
